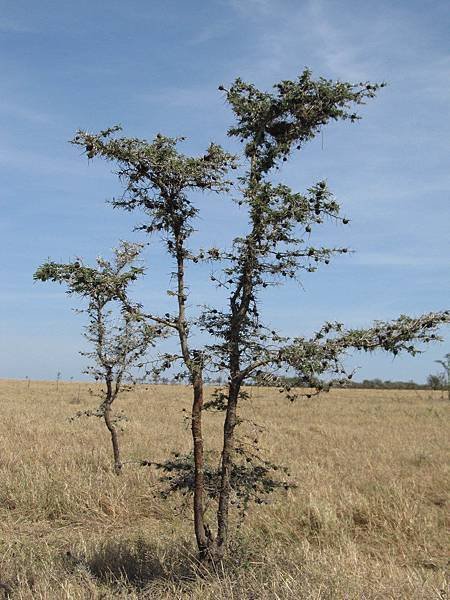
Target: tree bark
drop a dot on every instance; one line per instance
(107, 415)
(114, 440)
(201, 535)
(226, 468)
(239, 305)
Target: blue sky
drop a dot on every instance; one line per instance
(155, 66)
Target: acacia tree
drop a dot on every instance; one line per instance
(119, 337)
(271, 126)
(158, 179)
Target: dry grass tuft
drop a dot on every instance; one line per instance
(367, 521)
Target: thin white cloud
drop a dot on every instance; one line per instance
(285, 32)
(347, 50)
(354, 50)
(334, 46)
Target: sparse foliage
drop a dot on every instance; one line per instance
(251, 479)
(119, 337)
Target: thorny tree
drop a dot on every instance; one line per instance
(158, 179)
(119, 337)
(271, 126)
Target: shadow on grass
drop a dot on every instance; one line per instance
(136, 563)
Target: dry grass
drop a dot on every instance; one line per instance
(367, 520)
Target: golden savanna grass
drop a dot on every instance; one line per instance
(368, 519)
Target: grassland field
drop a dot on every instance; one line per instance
(368, 520)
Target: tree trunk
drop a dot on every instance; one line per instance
(239, 312)
(194, 363)
(201, 533)
(226, 468)
(114, 438)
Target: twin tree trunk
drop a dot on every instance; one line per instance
(212, 548)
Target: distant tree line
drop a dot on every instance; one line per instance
(387, 384)
(433, 382)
